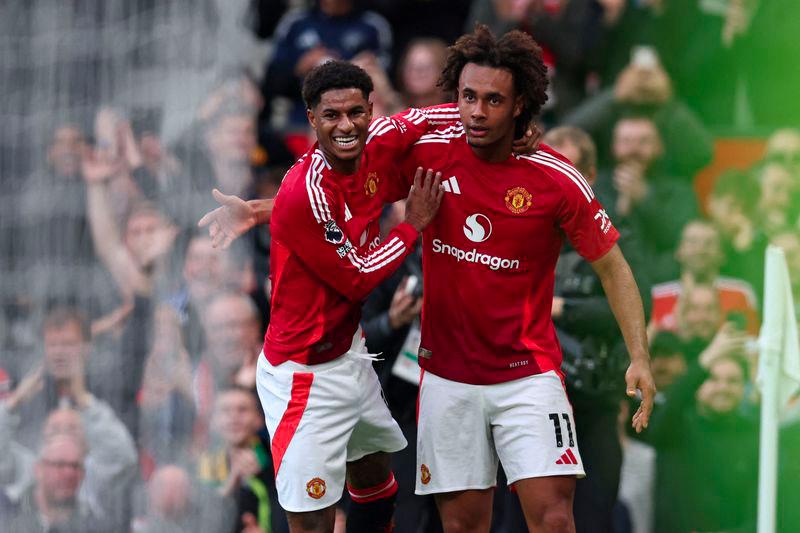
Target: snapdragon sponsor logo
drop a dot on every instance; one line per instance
(474, 256)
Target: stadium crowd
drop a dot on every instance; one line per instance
(128, 342)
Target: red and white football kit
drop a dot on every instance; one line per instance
(491, 382)
(735, 296)
(321, 397)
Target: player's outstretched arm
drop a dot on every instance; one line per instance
(234, 217)
(626, 303)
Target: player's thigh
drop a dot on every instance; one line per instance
(547, 503)
(533, 428)
(376, 433)
(320, 521)
(455, 447)
(369, 471)
(310, 421)
(466, 511)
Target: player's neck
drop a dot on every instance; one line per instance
(496, 152)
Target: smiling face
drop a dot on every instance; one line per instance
(723, 390)
(340, 120)
(488, 106)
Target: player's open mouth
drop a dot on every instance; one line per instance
(346, 142)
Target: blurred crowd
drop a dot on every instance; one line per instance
(128, 343)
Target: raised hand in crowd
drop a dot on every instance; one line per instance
(168, 367)
(629, 181)
(644, 81)
(28, 387)
(728, 342)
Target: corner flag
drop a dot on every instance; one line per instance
(778, 377)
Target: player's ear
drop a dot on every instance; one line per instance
(518, 104)
(370, 110)
(312, 119)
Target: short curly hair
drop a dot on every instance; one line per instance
(332, 75)
(515, 51)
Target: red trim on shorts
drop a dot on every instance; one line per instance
(386, 489)
(419, 391)
(301, 388)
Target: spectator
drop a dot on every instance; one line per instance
(331, 29)
(784, 146)
(777, 202)
(136, 259)
(667, 361)
(732, 207)
(699, 255)
(418, 73)
(241, 466)
(699, 318)
(644, 88)
(61, 380)
(234, 341)
(569, 32)
(167, 397)
(706, 448)
(52, 503)
(220, 156)
(174, 506)
(648, 207)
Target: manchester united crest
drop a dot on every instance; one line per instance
(425, 474)
(371, 185)
(316, 488)
(518, 200)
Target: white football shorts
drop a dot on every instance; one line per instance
(464, 429)
(319, 418)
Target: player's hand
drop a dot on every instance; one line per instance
(638, 377)
(29, 387)
(424, 199)
(528, 143)
(229, 221)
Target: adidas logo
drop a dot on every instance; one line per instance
(451, 185)
(567, 458)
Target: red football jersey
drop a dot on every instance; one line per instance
(735, 295)
(326, 254)
(489, 257)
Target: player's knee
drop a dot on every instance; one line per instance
(468, 520)
(321, 521)
(558, 520)
(369, 471)
(460, 524)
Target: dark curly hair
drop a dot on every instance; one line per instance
(515, 51)
(334, 75)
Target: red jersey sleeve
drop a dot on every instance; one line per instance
(318, 237)
(580, 214)
(390, 139)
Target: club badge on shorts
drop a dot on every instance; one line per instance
(518, 200)
(425, 474)
(316, 488)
